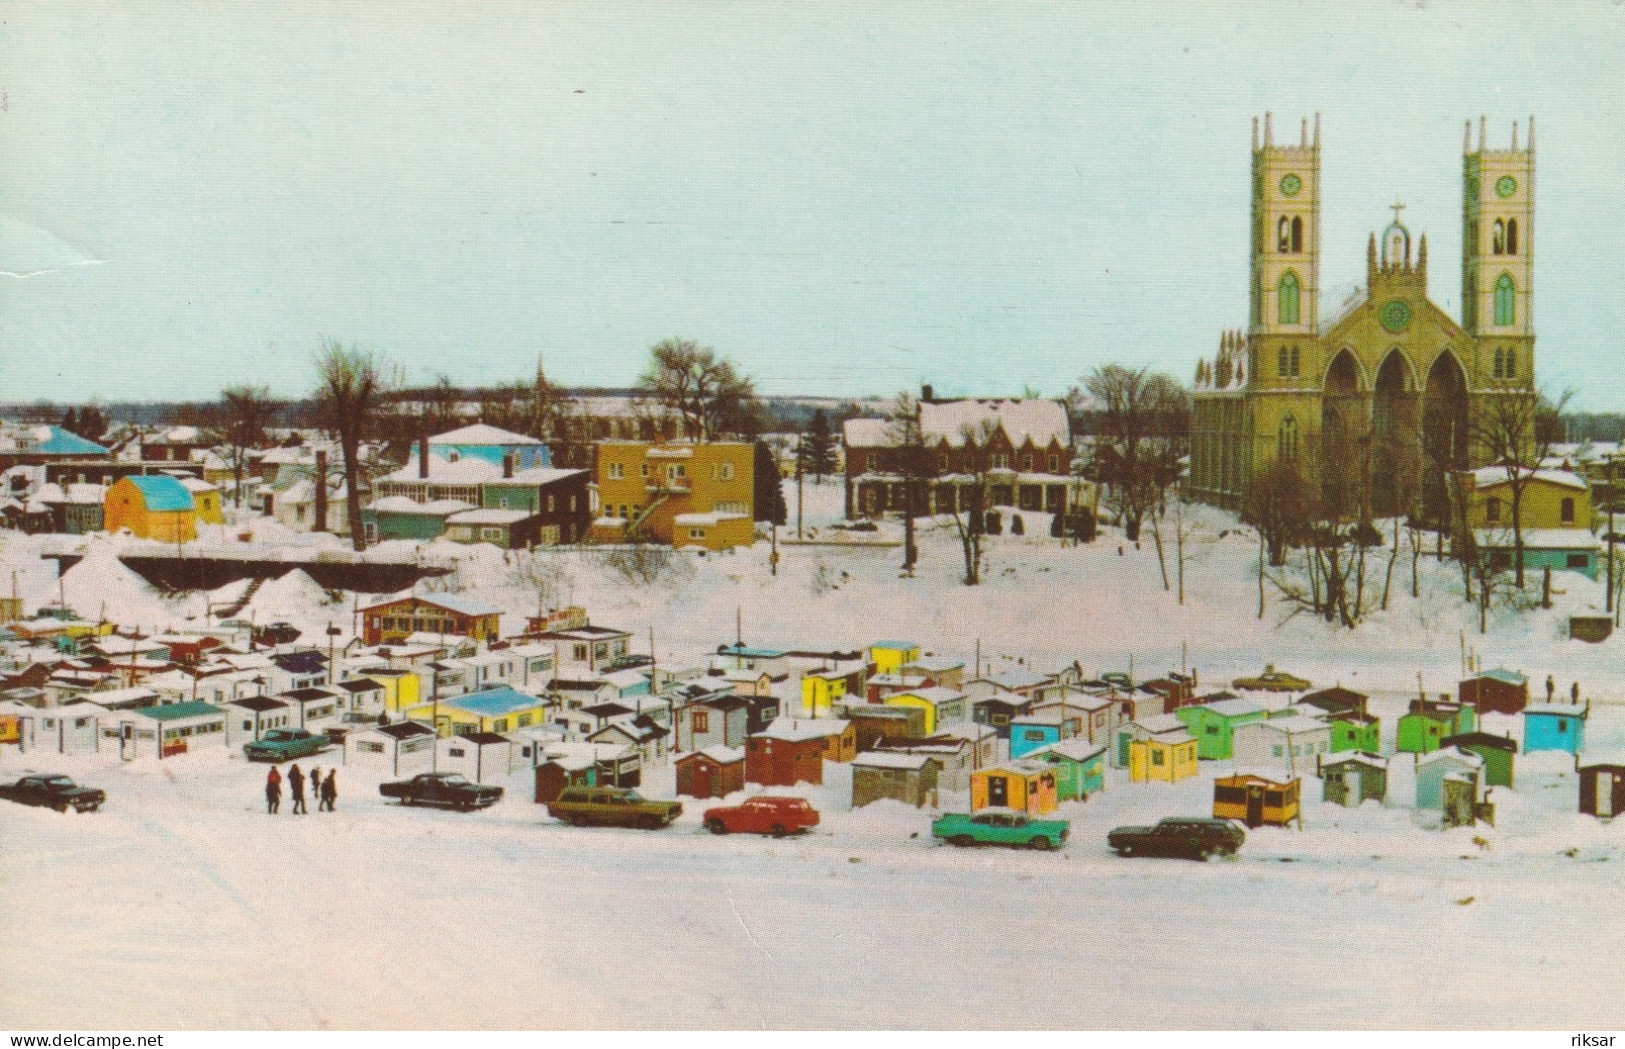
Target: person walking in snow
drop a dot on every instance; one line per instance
(1574, 693)
(1550, 687)
(296, 789)
(316, 784)
(273, 791)
(330, 791)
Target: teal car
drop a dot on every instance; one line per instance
(1001, 827)
(280, 744)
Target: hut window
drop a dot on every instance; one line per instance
(1277, 750)
(1567, 511)
(1562, 725)
(1213, 730)
(1492, 509)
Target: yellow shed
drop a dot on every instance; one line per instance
(152, 507)
(820, 693)
(401, 687)
(1023, 785)
(1167, 758)
(205, 500)
(889, 656)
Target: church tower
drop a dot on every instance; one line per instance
(1285, 295)
(1497, 255)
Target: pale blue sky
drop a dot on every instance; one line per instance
(845, 198)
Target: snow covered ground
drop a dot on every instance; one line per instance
(182, 904)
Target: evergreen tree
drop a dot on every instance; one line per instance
(769, 496)
(819, 447)
(70, 421)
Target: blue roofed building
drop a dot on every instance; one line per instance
(500, 709)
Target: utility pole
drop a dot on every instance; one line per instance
(1610, 604)
(798, 488)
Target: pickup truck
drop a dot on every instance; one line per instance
(280, 744)
(1001, 827)
(612, 807)
(1194, 838)
(442, 788)
(775, 816)
(58, 792)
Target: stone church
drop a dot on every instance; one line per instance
(1388, 386)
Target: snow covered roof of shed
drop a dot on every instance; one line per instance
(891, 760)
(802, 729)
(1490, 476)
(481, 433)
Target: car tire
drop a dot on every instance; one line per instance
(61, 808)
(716, 826)
(778, 830)
(1041, 844)
(651, 823)
(963, 841)
(408, 800)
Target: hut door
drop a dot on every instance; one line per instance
(126, 740)
(998, 791)
(1255, 806)
(702, 781)
(1605, 794)
(1352, 794)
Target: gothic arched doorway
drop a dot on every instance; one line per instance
(1342, 432)
(1394, 436)
(1445, 437)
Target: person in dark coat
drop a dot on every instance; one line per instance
(296, 789)
(1574, 692)
(330, 791)
(316, 784)
(273, 791)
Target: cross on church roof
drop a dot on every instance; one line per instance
(1398, 207)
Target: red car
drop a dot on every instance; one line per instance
(775, 816)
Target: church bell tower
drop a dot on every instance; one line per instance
(1497, 254)
(1284, 299)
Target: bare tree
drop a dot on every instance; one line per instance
(1515, 429)
(1143, 420)
(705, 391)
(238, 422)
(970, 502)
(1278, 504)
(910, 459)
(350, 391)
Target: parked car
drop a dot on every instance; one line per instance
(442, 788)
(236, 624)
(57, 792)
(612, 807)
(280, 744)
(1272, 680)
(775, 816)
(1000, 827)
(1194, 838)
(278, 633)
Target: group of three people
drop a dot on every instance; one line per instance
(326, 790)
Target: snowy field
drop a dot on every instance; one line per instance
(182, 904)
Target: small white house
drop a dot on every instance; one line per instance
(359, 695)
(1290, 744)
(164, 731)
(314, 708)
(484, 757)
(71, 729)
(402, 749)
(248, 718)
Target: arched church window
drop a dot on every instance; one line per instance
(1498, 238)
(1294, 362)
(1505, 310)
(1283, 236)
(1283, 363)
(1287, 441)
(1512, 236)
(1498, 369)
(1287, 304)
(1512, 363)
(1297, 235)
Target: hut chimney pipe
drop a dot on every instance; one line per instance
(507, 465)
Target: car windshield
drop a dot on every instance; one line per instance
(56, 781)
(454, 778)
